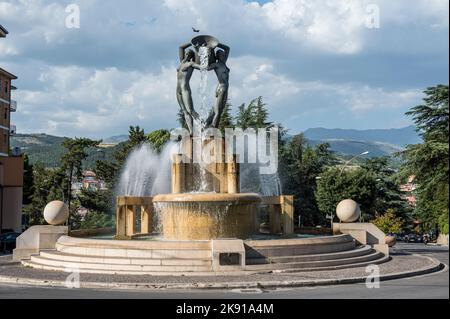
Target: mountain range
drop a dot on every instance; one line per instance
(400, 137)
(47, 149)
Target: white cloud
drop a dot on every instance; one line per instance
(118, 69)
(334, 26)
(94, 101)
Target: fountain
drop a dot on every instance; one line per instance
(182, 211)
(205, 202)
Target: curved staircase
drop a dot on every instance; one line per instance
(196, 257)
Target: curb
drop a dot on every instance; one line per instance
(437, 266)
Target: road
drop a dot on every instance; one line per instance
(433, 286)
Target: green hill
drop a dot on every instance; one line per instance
(47, 149)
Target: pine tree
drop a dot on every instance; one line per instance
(158, 139)
(261, 114)
(226, 120)
(72, 162)
(245, 117)
(428, 162)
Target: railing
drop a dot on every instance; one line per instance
(127, 209)
(13, 106)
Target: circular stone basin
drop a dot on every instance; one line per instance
(203, 216)
(210, 41)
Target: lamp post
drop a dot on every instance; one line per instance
(350, 160)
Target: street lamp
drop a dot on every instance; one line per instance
(350, 160)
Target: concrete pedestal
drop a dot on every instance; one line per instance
(36, 238)
(364, 234)
(228, 254)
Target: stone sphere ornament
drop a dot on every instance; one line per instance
(56, 213)
(390, 240)
(348, 211)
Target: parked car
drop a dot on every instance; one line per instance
(413, 238)
(8, 241)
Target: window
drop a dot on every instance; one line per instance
(6, 87)
(6, 113)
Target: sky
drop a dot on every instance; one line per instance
(332, 63)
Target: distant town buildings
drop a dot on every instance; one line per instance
(89, 182)
(11, 161)
(409, 189)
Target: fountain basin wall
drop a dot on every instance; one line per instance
(204, 216)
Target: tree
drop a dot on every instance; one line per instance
(109, 170)
(335, 185)
(72, 161)
(47, 185)
(388, 195)
(158, 139)
(244, 118)
(300, 165)
(95, 220)
(226, 120)
(428, 161)
(98, 200)
(261, 114)
(136, 136)
(27, 180)
(388, 222)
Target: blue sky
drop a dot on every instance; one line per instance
(316, 63)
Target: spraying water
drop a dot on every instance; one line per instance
(203, 112)
(203, 53)
(252, 181)
(146, 172)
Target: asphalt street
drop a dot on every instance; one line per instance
(432, 286)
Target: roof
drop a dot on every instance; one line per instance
(89, 174)
(3, 31)
(7, 74)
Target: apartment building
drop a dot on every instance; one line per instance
(11, 161)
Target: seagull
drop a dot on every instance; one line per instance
(195, 30)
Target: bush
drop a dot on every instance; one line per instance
(388, 222)
(95, 220)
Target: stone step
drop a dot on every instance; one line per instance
(134, 244)
(298, 250)
(117, 267)
(360, 251)
(378, 261)
(57, 255)
(135, 253)
(318, 263)
(38, 265)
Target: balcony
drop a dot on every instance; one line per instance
(12, 130)
(13, 106)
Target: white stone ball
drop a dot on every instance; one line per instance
(348, 211)
(56, 213)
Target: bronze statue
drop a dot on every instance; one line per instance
(189, 60)
(184, 93)
(223, 75)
